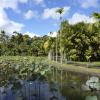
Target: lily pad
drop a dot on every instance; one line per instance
(85, 87)
(93, 83)
(97, 86)
(94, 79)
(91, 98)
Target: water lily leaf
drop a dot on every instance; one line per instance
(93, 83)
(42, 72)
(94, 79)
(97, 86)
(85, 88)
(36, 70)
(91, 98)
(24, 70)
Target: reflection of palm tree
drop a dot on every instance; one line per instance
(54, 98)
(59, 11)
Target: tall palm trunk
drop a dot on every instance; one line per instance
(56, 50)
(61, 54)
(50, 55)
(59, 11)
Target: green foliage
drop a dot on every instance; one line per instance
(91, 98)
(60, 11)
(14, 69)
(22, 45)
(78, 37)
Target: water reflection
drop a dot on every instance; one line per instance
(33, 90)
(73, 88)
(57, 85)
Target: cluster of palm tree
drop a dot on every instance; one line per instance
(78, 42)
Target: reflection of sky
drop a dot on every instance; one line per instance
(33, 91)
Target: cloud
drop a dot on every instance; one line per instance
(88, 3)
(31, 34)
(30, 14)
(39, 2)
(11, 4)
(5, 23)
(77, 17)
(8, 25)
(53, 34)
(51, 13)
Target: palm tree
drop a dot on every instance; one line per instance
(96, 15)
(49, 47)
(64, 31)
(60, 12)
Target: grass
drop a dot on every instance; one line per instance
(78, 69)
(85, 64)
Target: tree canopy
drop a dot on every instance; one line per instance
(78, 42)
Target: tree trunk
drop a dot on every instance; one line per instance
(50, 55)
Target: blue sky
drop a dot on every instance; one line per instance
(39, 17)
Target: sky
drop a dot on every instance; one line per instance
(38, 17)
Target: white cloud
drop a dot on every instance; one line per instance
(39, 2)
(53, 34)
(8, 25)
(77, 17)
(30, 14)
(11, 4)
(88, 3)
(5, 23)
(51, 13)
(31, 34)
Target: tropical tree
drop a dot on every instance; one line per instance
(60, 12)
(96, 15)
(49, 47)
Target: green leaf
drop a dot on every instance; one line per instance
(91, 98)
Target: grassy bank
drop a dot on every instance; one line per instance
(78, 69)
(85, 64)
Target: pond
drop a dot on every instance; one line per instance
(75, 86)
(40, 81)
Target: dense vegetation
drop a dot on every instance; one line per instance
(12, 69)
(22, 45)
(21, 78)
(78, 42)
